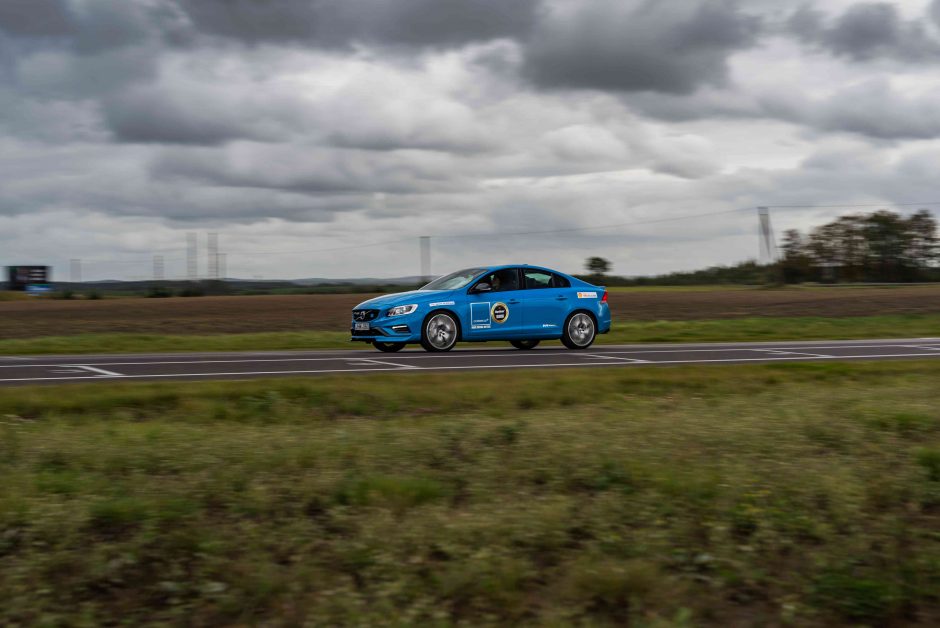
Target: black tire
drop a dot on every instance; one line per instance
(388, 347)
(439, 332)
(524, 344)
(579, 331)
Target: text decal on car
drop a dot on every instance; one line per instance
(587, 295)
(440, 303)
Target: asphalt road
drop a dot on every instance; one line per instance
(22, 370)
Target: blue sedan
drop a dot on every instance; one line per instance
(521, 304)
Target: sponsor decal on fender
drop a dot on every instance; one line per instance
(440, 303)
(480, 317)
(499, 312)
(587, 295)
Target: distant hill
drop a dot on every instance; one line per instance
(396, 281)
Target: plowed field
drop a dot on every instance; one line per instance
(242, 314)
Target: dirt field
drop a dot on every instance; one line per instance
(214, 315)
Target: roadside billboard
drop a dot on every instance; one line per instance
(33, 279)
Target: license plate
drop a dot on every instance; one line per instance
(361, 326)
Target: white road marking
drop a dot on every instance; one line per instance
(463, 354)
(769, 348)
(861, 343)
(94, 369)
(472, 367)
(612, 357)
(371, 361)
(779, 352)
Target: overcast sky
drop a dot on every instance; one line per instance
(295, 128)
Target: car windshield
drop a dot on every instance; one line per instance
(455, 280)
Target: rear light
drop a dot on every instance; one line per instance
(604, 298)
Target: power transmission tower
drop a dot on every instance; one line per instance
(192, 256)
(213, 252)
(158, 274)
(768, 243)
(75, 270)
(424, 243)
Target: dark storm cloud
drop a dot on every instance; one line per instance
(308, 169)
(616, 45)
(868, 31)
(339, 23)
(144, 115)
(89, 27)
(35, 17)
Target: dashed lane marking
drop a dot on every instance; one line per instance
(780, 352)
(95, 369)
(371, 361)
(613, 357)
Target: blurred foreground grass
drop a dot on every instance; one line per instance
(801, 494)
(715, 330)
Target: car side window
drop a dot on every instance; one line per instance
(535, 279)
(502, 280)
(560, 282)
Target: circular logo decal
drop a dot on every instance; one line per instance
(500, 312)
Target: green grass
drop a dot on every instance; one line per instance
(796, 494)
(717, 330)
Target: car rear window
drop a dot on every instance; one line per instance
(535, 279)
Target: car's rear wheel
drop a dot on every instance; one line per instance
(388, 347)
(580, 331)
(439, 333)
(524, 344)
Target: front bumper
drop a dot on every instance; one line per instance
(405, 328)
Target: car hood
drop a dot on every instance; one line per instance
(404, 298)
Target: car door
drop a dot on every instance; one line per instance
(495, 313)
(545, 302)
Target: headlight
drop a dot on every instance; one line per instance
(400, 310)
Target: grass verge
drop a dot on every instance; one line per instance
(781, 494)
(717, 330)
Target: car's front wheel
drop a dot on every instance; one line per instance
(439, 333)
(524, 344)
(579, 332)
(388, 347)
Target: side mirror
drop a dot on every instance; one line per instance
(482, 287)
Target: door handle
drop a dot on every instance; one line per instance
(561, 298)
(512, 301)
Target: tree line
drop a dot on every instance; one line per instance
(878, 247)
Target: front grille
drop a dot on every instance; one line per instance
(365, 315)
